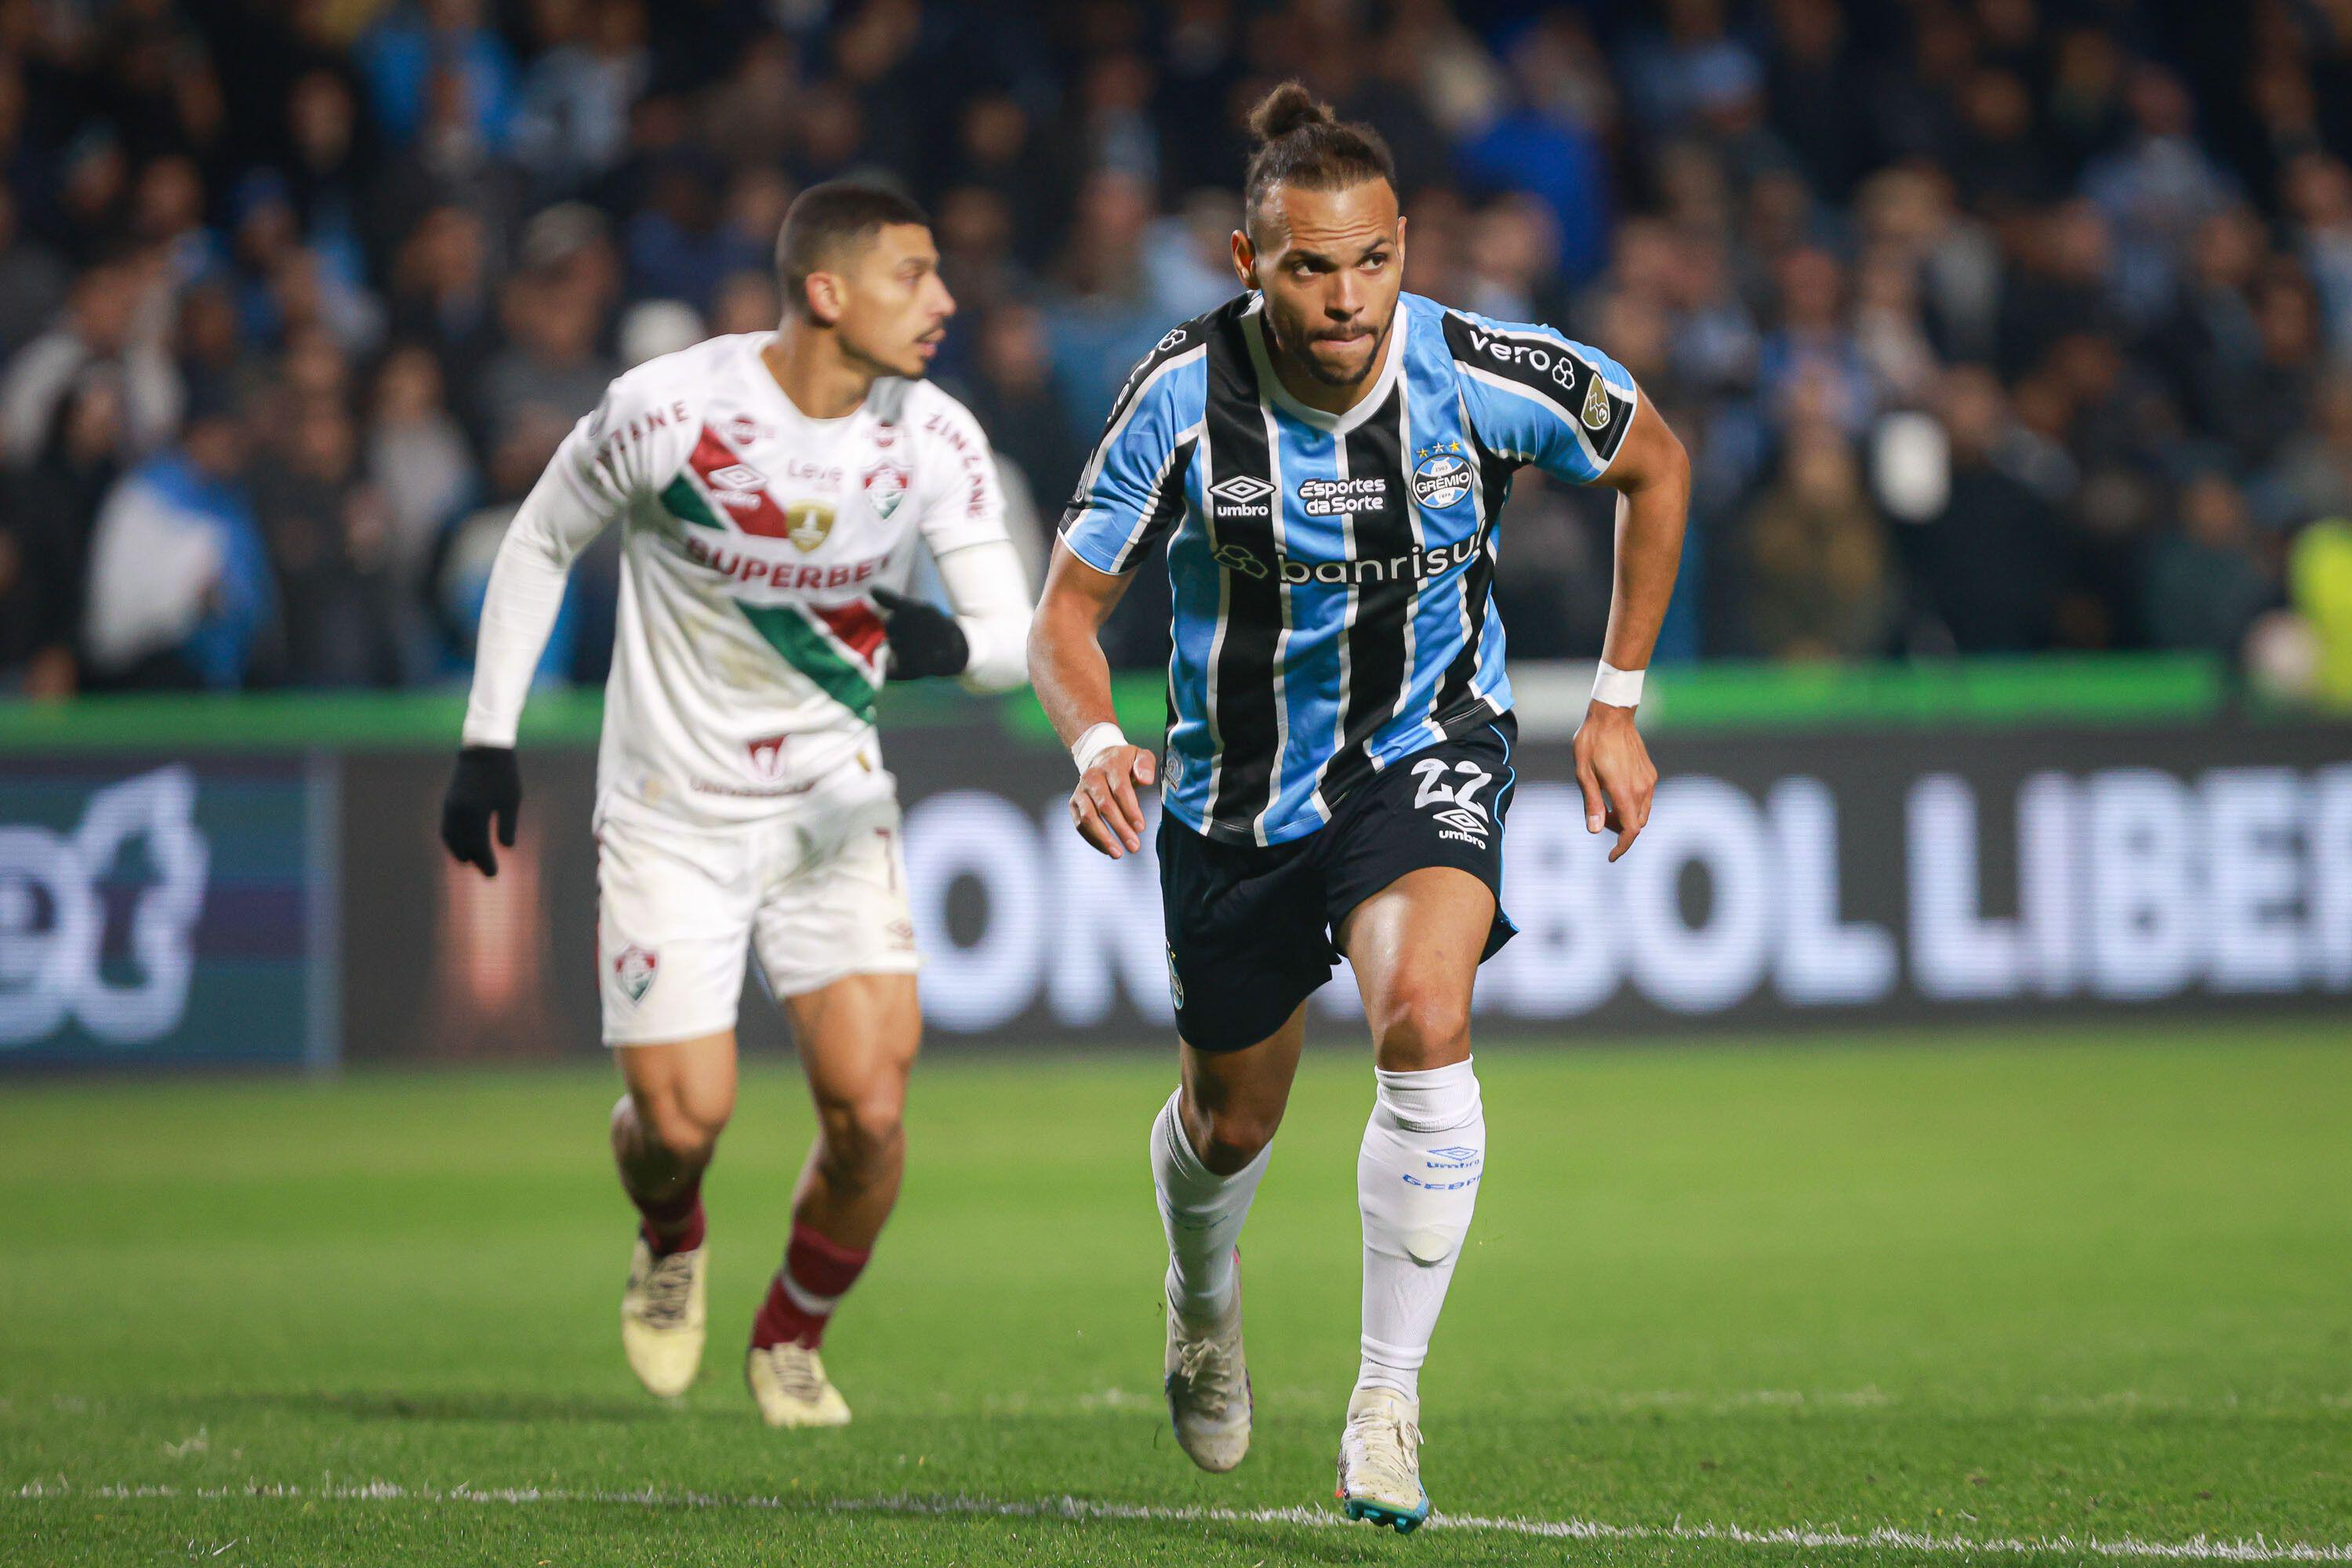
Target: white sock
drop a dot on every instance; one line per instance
(1416, 1185)
(1201, 1213)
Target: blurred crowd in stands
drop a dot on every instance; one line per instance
(1992, 326)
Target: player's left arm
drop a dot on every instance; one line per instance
(984, 643)
(1650, 474)
(1574, 411)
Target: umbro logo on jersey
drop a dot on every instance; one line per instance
(1243, 495)
(1464, 821)
(738, 487)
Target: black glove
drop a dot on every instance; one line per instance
(486, 785)
(924, 638)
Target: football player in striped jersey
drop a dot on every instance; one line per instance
(1327, 459)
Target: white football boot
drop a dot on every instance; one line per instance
(663, 1318)
(1207, 1382)
(1380, 1460)
(789, 1385)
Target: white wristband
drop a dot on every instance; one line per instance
(1617, 688)
(1089, 747)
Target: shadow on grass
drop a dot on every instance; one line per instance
(497, 1408)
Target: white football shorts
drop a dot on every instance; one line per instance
(818, 891)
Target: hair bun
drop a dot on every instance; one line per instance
(1286, 108)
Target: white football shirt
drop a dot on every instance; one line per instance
(748, 651)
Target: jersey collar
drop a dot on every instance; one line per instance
(765, 381)
(1270, 384)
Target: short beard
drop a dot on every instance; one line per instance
(878, 368)
(1313, 368)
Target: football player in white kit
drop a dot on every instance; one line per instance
(771, 488)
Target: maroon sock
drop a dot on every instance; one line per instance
(672, 1224)
(817, 1272)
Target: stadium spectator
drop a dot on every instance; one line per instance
(572, 121)
(551, 363)
(684, 243)
(1989, 563)
(180, 585)
(115, 318)
(2205, 585)
(1817, 557)
(33, 280)
(1104, 315)
(429, 49)
(416, 460)
(1548, 142)
(44, 533)
(1011, 393)
(330, 541)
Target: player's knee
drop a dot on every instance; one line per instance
(1236, 1136)
(862, 1136)
(1420, 1025)
(683, 1124)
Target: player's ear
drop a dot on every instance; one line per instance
(825, 298)
(1244, 259)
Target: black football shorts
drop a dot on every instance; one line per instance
(1252, 927)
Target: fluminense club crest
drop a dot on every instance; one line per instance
(635, 969)
(885, 487)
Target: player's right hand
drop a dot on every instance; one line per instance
(486, 785)
(1108, 811)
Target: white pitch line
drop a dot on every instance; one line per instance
(2200, 1549)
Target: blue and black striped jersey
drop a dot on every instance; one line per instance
(1332, 573)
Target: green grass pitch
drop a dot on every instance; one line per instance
(1929, 1299)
